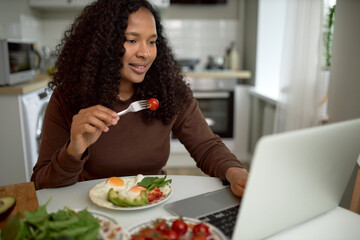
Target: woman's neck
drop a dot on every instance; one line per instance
(126, 90)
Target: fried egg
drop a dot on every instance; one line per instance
(133, 192)
(165, 190)
(125, 186)
(115, 182)
(131, 189)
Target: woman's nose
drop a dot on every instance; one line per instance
(143, 51)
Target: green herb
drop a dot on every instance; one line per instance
(152, 182)
(64, 224)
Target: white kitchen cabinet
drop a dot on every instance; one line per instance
(73, 4)
(13, 169)
(20, 118)
(53, 4)
(160, 3)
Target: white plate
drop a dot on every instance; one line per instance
(215, 233)
(110, 229)
(101, 199)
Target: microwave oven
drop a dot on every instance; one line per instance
(17, 62)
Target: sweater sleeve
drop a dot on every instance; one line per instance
(207, 149)
(55, 167)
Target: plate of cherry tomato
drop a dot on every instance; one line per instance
(174, 228)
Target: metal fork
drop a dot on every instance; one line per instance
(135, 107)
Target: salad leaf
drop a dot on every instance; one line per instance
(152, 182)
(63, 224)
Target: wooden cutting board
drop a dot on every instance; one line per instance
(25, 195)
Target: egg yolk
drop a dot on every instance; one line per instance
(115, 181)
(137, 189)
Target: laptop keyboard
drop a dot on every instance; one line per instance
(223, 220)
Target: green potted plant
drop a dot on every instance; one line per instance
(329, 35)
(326, 61)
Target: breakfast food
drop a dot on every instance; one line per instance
(153, 104)
(63, 224)
(7, 204)
(175, 228)
(128, 192)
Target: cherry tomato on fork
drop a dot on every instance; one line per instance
(153, 104)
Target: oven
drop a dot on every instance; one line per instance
(224, 105)
(217, 106)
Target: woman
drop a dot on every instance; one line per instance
(114, 54)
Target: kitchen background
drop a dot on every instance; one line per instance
(197, 32)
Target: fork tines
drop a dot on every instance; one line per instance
(143, 102)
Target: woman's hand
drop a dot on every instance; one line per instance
(237, 178)
(87, 126)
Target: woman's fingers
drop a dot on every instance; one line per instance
(237, 178)
(99, 116)
(87, 127)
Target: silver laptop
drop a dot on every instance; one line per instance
(294, 176)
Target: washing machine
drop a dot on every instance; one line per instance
(33, 107)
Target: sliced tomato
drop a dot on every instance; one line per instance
(138, 237)
(154, 194)
(179, 226)
(147, 232)
(201, 229)
(153, 104)
(170, 235)
(161, 225)
(198, 238)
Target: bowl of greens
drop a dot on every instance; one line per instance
(61, 225)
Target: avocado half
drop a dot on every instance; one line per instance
(121, 201)
(7, 204)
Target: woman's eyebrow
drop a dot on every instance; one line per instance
(135, 34)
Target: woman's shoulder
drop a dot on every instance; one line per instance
(56, 97)
(57, 104)
(189, 107)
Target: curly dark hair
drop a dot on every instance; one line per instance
(90, 58)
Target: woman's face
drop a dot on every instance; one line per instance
(140, 46)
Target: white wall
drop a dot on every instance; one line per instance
(270, 35)
(250, 23)
(18, 20)
(54, 24)
(344, 86)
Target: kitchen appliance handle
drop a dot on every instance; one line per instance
(201, 95)
(40, 124)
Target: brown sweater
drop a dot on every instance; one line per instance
(131, 147)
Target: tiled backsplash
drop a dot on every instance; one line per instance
(31, 29)
(188, 38)
(200, 38)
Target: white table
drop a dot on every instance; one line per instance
(336, 224)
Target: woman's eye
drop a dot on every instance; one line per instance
(153, 42)
(131, 41)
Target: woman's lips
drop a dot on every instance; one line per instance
(138, 68)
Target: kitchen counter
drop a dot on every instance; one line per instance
(40, 81)
(243, 74)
